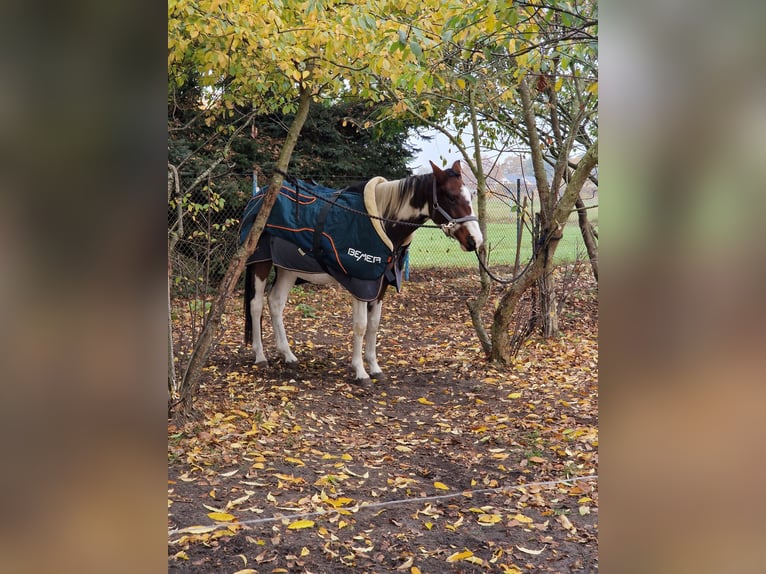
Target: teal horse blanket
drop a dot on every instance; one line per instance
(331, 231)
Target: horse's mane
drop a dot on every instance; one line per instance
(394, 197)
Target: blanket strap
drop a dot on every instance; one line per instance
(319, 228)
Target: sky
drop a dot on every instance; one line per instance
(439, 150)
(436, 149)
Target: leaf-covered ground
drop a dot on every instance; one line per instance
(434, 469)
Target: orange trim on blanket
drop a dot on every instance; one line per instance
(332, 243)
(293, 194)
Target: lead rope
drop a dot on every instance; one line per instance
(512, 280)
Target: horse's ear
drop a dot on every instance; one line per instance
(456, 167)
(435, 168)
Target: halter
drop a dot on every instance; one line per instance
(452, 222)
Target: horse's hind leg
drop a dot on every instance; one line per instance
(277, 301)
(261, 273)
(371, 337)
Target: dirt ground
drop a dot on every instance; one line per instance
(436, 468)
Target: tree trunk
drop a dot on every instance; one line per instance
(587, 236)
(501, 335)
(174, 189)
(549, 311)
(548, 197)
(171, 357)
(191, 379)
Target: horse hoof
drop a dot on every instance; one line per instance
(363, 383)
(378, 377)
(262, 364)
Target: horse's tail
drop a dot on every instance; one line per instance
(249, 294)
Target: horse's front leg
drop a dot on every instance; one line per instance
(277, 301)
(360, 328)
(371, 338)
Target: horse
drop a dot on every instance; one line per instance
(404, 205)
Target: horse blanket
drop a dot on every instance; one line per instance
(318, 229)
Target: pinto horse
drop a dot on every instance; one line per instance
(403, 205)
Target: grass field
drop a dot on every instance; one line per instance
(431, 248)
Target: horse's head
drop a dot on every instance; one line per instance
(451, 207)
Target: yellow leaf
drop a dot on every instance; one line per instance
(181, 555)
(514, 395)
(441, 486)
(522, 518)
(221, 516)
(298, 524)
(414, 570)
(461, 83)
(346, 456)
(424, 401)
(475, 560)
(338, 502)
(305, 551)
(489, 518)
(297, 461)
(246, 571)
(428, 525)
(459, 556)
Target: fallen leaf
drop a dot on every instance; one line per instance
(181, 555)
(338, 502)
(246, 571)
(424, 401)
(459, 556)
(221, 516)
(566, 523)
(521, 518)
(441, 486)
(532, 552)
(298, 524)
(489, 518)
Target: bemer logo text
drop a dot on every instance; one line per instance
(359, 256)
